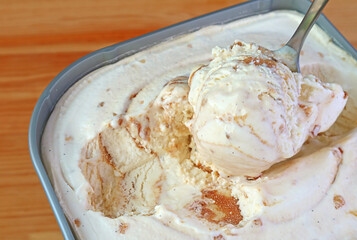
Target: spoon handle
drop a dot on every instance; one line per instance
(305, 26)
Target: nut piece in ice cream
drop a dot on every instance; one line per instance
(251, 111)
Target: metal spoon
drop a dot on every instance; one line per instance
(290, 53)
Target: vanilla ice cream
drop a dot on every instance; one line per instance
(251, 111)
(157, 147)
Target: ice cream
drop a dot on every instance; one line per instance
(122, 163)
(123, 151)
(251, 111)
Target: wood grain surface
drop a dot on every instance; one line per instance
(40, 38)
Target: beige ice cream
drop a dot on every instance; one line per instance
(251, 111)
(122, 164)
(128, 151)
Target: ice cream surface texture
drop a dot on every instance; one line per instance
(171, 143)
(251, 111)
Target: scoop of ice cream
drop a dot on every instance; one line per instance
(251, 111)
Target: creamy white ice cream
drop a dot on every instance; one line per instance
(251, 111)
(125, 166)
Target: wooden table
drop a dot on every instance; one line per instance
(40, 38)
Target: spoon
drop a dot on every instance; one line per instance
(290, 53)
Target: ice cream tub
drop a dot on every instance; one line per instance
(69, 76)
